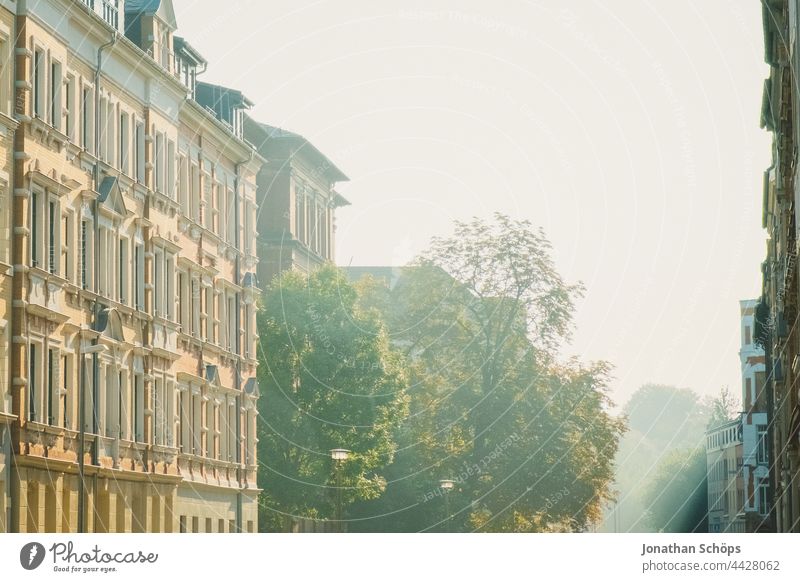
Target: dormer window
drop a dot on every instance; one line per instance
(186, 62)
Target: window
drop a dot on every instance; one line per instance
(195, 524)
(138, 275)
(195, 309)
(207, 313)
(69, 107)
(122, 270)
(124, 139)
(761, 451)
(230, 227)
(66, 246)
(194, 195)
(763, 507)
(182, 524)
(33, 379)
(231, 323)
(159, 162)
(183, 184)
(52, 387)
(38, 78)
(55, 94)
(140, 165)
(108, 258)
(111, 127)
(86, 254)
(66, 371)
(102, 123)
(36, 227)
(158, 410)
(122, 407)
(169, 287)
(747, 338)
(87, 118)
(183, 303)
(53, 235)
(208, 203)
(170, 191)
(138, 408)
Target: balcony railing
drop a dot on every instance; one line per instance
(111, 12)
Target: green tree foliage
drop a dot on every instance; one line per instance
(329, 380)
(661, 419)
(527, 438)
(676, 498)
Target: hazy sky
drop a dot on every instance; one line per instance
(629, 130)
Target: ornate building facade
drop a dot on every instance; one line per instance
(131, 327)
(777, 314)
(8, 126)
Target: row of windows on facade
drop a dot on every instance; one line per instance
(196, 423)
(727, 498)
(205, 196)
(730, 435)
(191, 524)
(313, 223)
(202, 310)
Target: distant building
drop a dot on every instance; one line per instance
(736, 452)
(297, 201)
(725, 486)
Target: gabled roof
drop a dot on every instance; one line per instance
(251, 387)
(109, 324)
(249, 280)
(110, 195)
(161, 8)
(295, 140)
(212, 375)
(185, 49)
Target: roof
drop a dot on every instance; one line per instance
(270, 132)
(217, 92)
(184, 47)
(389, 275)
(162, 8)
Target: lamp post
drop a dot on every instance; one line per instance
(339, 456)
(93, 350)
(447, 486)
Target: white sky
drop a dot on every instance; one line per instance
(629, 130)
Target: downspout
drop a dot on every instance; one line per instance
(240, 397)
(96, 261)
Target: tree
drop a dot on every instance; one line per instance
(724, 407)
(527, 439)
(661, 419)
(676, 499)
(330, 381)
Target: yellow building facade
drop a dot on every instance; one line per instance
(131, 317)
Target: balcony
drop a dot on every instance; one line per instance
(108, 10)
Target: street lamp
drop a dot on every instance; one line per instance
(447, 486)
(93, 351)
(339, 456)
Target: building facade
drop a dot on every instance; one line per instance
(737, 456)
(297, 201)
(777, 314)
(725, 484)
(132, 352)
(755, 420)
(8, 126)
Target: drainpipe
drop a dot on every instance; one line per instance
(238, 277)
(95, 308)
